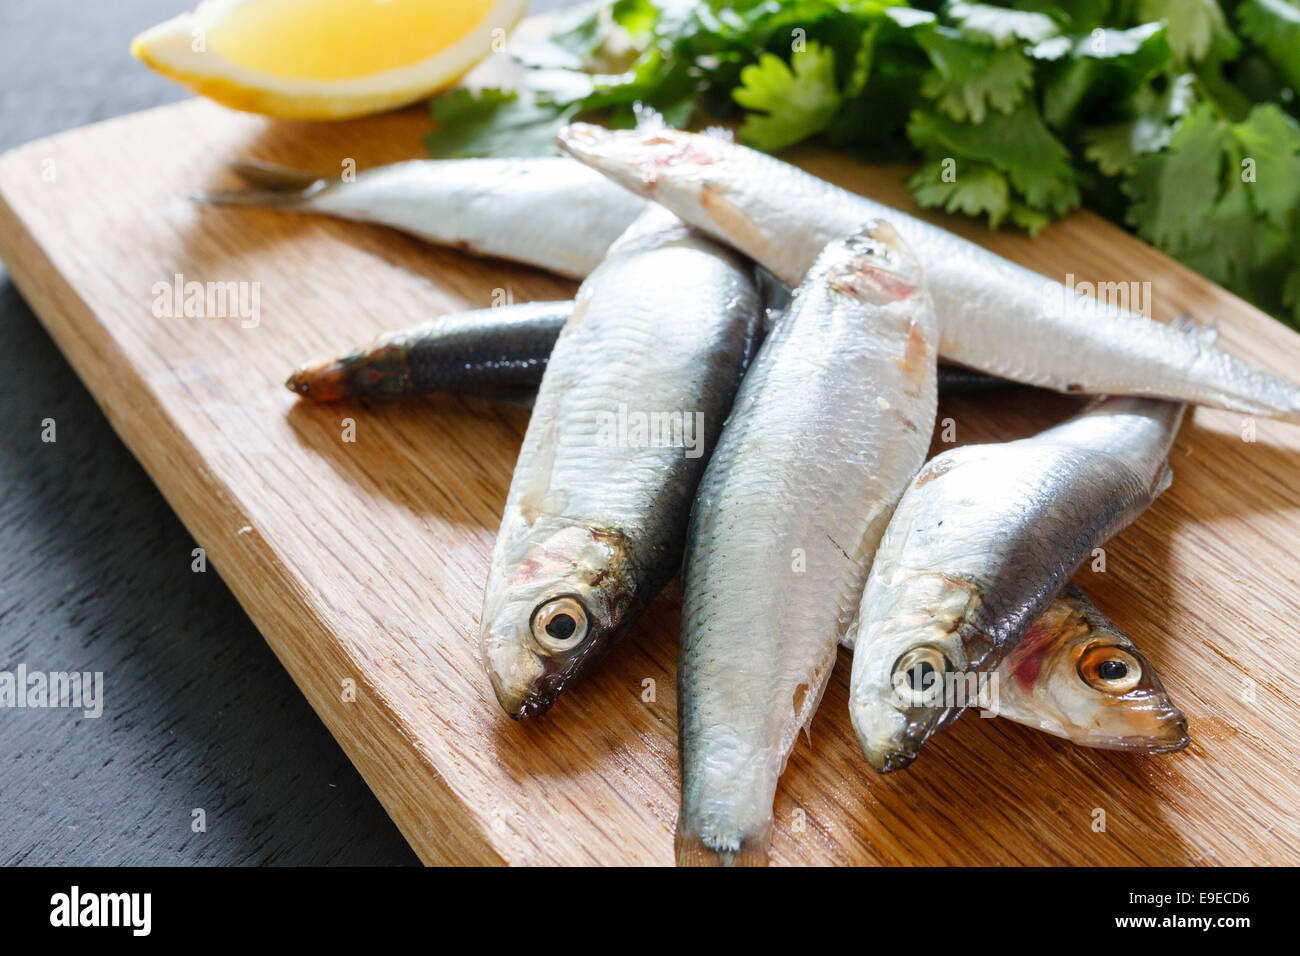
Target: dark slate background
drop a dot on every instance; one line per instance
(95, 576)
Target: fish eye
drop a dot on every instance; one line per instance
(1110, 669)
(915, 672)
(560, 624)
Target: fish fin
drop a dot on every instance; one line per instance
(1207, 332)
(272, 186)
(1163, 482)
(850, 636)
(692, 851)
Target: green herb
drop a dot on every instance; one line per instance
(1177, 118)
(791, 102)
(493, 123)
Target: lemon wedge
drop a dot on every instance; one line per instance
(325, 59)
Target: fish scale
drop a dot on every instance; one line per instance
(484, 349)
(834, 416)
(551, 213)
(994, 315)
(981, 542)
(595, 521)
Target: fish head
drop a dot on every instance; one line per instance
(916, 664)
(554, 605)
(1076, 675)
(699, 179)
(873, 265)
(646, 161)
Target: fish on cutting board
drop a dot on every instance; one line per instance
(552, 212)
(831, 422)
(994, 315)
(1076, 675)
(505, 347)
(595, 521)
(499, 350)
(982, 540)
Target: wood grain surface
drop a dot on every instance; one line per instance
(362, 562)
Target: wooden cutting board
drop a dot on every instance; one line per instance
(363, 561)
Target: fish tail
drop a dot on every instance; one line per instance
(273, 185)
(691, 850)
(1283, 407)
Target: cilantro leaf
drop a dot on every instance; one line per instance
(1270, 146)
(1115, 148)
(1275, 26)
(1223, 196)
(1017, 144)
(1030, 220)
(795, 101)
(976, 190)
(968, 79)
(493, 122)
(999, 25)
(1203, 199)
(1105, 65)
(1197, 28)
(1174, 191)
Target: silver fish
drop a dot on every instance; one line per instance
(1076, 675)
(496, 352)
(595, 521)
(982, 540)
(831, 421)
(497, 348)
(551, 213)
(995, 316)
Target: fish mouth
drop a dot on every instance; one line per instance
(531, 697)
(1181, 740)
(579, 576)
(878, 268)
(321, 381)
(897, 760)
(581, 139)
(891, 733)
(634, 158)
(532, 704)
(889, 752)
(1170, 738)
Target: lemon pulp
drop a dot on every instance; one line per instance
(341, 39)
